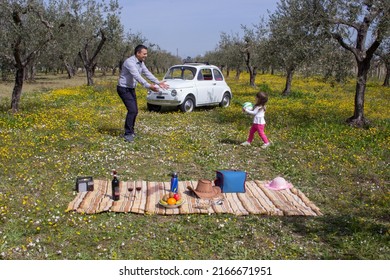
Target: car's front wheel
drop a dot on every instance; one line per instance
(225, 102)
(188, 105)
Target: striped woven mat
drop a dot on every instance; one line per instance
(144, 197)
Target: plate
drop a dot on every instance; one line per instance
(172, 206)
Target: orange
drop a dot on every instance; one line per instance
(171, 201)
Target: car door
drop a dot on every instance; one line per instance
(205, 86)
(219, 86)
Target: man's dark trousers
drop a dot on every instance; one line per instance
(129, 98)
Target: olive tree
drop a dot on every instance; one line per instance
(333, 63)
(251, 48)
(25, 33)
(229, 47)
(383, 52)
(359, 27)
(111, 53)
(95, 21)
(66, 43)
(294, 40)
(87, 26)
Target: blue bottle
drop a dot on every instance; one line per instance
(174, 182)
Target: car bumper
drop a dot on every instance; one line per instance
(163, 100)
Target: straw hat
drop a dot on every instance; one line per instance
(205, 189)
(278, 183)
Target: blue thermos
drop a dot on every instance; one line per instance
(174, 182)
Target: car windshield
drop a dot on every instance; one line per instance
(180, 72)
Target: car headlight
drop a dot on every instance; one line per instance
(174, 92)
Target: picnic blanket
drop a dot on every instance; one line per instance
(256, 200)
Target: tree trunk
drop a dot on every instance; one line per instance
(17, 91)
(289, 77)
(89, 63)
(114, 71)
(252, 76)
(251, 69)
(31, 72)
(69, 69)
(94, 66)
(89, 72)
(358, 118)
(120, 64)
(238, 73)
(387, 77)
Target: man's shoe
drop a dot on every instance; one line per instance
(129, 138)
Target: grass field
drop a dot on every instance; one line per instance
(46, 82)
(62, 132)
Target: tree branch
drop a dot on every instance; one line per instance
(31, 55)
(371, 50)
(336, 20)
(339, 39)
(100, 46)
(372, 15)
(40, 16)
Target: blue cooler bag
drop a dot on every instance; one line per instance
(231, 181)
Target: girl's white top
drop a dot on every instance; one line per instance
(258, 112)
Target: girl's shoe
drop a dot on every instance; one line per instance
(246, 143)
(265, 146)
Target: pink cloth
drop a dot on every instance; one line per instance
(260, 130)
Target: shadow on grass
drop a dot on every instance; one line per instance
(230, 141)
(110, 131)
(171, 109)
(343, 233)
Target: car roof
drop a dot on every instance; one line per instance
(195, 64)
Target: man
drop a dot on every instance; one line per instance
(130, 75)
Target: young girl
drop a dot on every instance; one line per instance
(258, 120)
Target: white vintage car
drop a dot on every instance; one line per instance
(191, 85)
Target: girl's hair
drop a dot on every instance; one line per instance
(261, 99)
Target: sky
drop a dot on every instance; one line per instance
(191, 28)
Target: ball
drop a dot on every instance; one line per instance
(248, 106)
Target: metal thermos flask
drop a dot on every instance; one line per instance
(174, 182)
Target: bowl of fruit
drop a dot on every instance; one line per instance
(171, 200)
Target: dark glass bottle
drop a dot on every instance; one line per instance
(115, 186)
